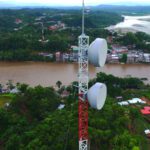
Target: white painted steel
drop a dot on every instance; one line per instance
(98, 52)
(83, 42)
(83, 64)
(83, 76)
(83, 145)
(97, 95)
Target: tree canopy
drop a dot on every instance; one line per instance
(33, 120)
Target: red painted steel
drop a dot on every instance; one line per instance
(83, 119)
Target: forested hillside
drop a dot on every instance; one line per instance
(125, 9)
(21, 30)
(33, 120)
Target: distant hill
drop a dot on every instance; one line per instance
(124, 9)
(11, 4)
(121, 7)
(130, 3)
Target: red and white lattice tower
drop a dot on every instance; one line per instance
(83, 42)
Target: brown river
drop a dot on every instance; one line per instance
(47, 74)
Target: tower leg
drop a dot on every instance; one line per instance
(83, 124)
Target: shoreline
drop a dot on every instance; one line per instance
(65, 62)
(127, 25)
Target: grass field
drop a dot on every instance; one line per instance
(5, 98)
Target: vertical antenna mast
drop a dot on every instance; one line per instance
(83, 42)
(42, 31)
(83, 9)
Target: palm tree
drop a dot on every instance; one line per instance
(59, 83)
(10, 85)
(1, 87)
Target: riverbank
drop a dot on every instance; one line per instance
(133, 24)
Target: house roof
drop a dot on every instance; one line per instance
(75, 48)
(123, 103)
(136, 100)
(146, 110)
(61, 106)
(147, 131)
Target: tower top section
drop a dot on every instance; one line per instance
(83, 14)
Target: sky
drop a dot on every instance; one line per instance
(73, 2)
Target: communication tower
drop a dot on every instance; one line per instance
(83, 41)
(96, 95)
(43, 40)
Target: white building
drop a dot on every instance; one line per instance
(65, 57)
(61, 106)
(146, 57)
(136, 100)
(132, 58)
(132, 101)
(123, 103)
(75, 50)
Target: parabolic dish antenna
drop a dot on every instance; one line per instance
(97, 95)
(97, 52)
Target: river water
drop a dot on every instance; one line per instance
(133, 24)
(47, 74)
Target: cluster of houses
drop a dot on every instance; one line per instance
(7, 90)
(70, 56)
(132, 101)
(144, 111)
(50, 25)
(113, 55)
(57, 26)
(18, 21)
(133, 56)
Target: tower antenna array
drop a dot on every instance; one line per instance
(96, 53)
(83, 42)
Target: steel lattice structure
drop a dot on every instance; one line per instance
(83, 89)
(83, 42)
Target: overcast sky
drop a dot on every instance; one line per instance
(74, 2)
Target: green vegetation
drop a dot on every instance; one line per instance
(137, 40)
(59, 83)
(123, 59)
(5, 98)
(21, 31)
(117, 85)
(32, 120)
(94, 19)
(126, 10)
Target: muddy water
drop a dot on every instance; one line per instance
(47, 74)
